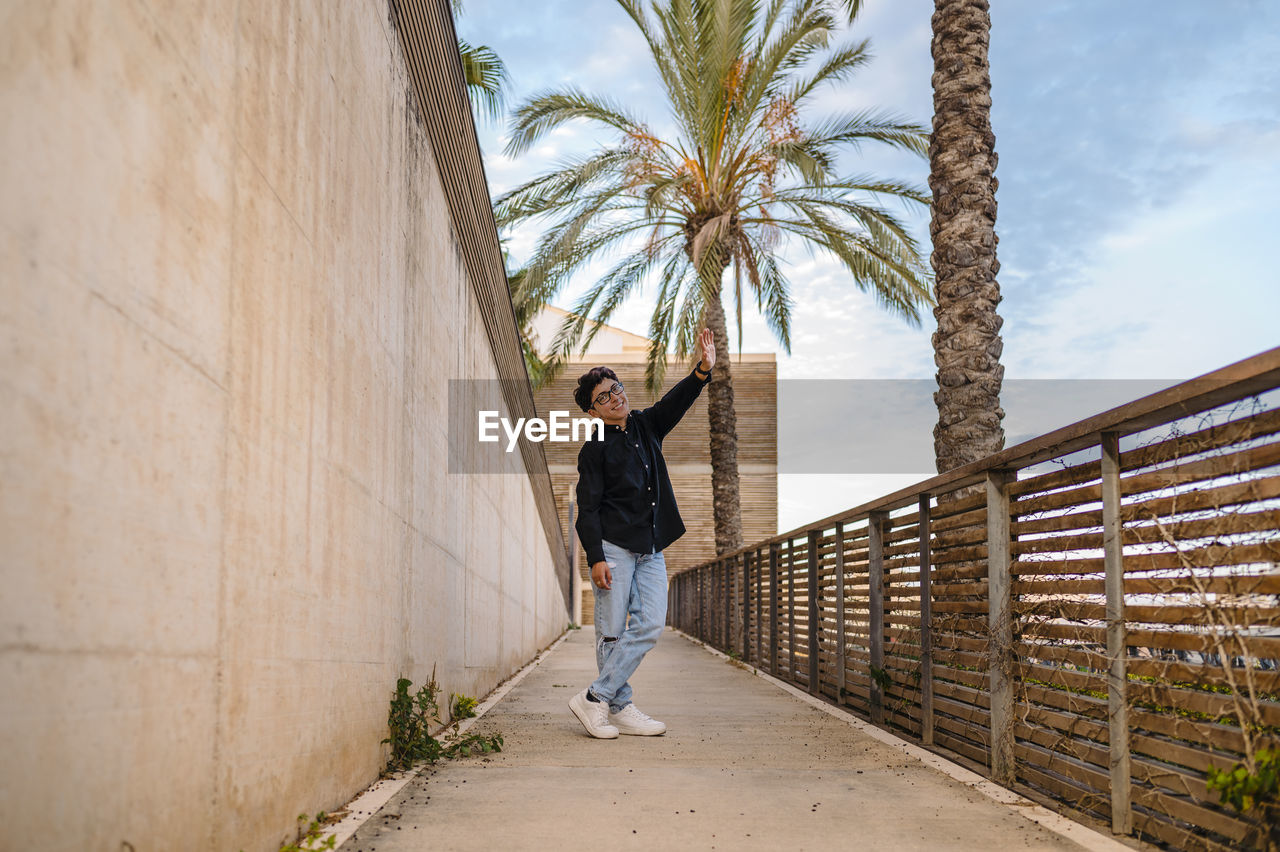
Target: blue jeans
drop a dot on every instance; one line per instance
(639, 590)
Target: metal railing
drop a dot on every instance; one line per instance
(1090, 616)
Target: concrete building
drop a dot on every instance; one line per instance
(755, 382)
(245, 248)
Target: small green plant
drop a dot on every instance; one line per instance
(1245, 790)
(308, 839)
(464, 707)
(573, 625)
(881, 677)
(410, 721)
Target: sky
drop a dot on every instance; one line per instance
(1139, 169)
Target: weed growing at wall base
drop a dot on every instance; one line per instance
(464, 706)
(309, 841)
(410, 721)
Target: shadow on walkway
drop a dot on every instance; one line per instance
(743, 765)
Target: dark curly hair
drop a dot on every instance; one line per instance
(587, 384)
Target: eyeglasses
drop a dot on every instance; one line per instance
(613, 391)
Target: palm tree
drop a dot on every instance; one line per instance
(486, 78)
(484, 73)
(962, 162)
(738, 175)
(541, 366)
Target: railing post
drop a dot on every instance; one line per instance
(815, 622)
(689, 601)
(677, 617)
(708, 613)
(705, 598)
(791, 610)
(759, 608)
(678, 605)
(673, 602)
(840, 649)
(875, 562)
(723, 587)
(713, 616)
(684, 602)
(709, 596)
(1000, 623)
(926, 627)
(729, 595)
(693, 603)
(697, 620)
(746, 606)
(726, 611)
(1117, 703)
(773, 609)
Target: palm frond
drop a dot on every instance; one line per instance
(548, 110)
(812, 162)
(662, 59)
(486, 78)
(771, 289)
(851, 7)
(689, 321)
(894, 280)
(907, 193)
(563, 250)
(839, 66)
(663, 320)
(803, 34)
(872, 126)
(556, 189)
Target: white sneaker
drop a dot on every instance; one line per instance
(629, 720)
(594, 716)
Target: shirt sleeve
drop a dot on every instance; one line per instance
(590, 491)
(664, 414)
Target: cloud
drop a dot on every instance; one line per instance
(1091, 114)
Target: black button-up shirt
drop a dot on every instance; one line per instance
(624, 492)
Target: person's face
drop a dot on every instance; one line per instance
(614, 407)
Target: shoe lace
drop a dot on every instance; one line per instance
(634, 713)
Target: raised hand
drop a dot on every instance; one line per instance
(706, 340)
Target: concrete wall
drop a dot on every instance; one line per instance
(231, 303)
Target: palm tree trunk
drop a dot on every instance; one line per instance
(723, 420)
(962, 163)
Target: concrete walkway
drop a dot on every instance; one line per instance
(743, 765)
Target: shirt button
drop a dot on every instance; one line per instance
(653, 504)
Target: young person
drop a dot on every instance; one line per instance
(627, 516)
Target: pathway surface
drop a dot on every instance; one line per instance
(743, 765)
